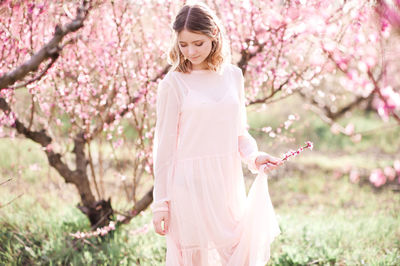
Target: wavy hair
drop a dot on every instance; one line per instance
(199, 18)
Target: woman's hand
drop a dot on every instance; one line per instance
(158, 217)
(270, 161)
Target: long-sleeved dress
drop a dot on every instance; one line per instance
(200, 140)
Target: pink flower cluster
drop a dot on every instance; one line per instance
(289, 154)
(102, 231)
(379, 177)
(388, 103)
(283, 126)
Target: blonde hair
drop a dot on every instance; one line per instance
(199, 18)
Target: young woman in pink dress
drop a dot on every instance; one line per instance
(200, 141)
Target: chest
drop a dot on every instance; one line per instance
(217, 94)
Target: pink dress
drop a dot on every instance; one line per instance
(200, 140)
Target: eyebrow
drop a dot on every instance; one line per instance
(193, 41)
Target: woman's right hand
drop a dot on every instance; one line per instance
(270, 162)
(158, 217)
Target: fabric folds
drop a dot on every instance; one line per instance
(164, 142)
(201, 140)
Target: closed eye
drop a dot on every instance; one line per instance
(197, 44)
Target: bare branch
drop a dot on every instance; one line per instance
(139, 206)
(8, 180)
(38, 77)
(336, 115)
(272, 94)
(8, 203)
(40, 137)
(345, 109)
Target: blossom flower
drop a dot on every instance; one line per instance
(349, 130)
(377, 178)
(390, 173)
(310, 145)
(396, 166)
(356, 138)
(354, 176)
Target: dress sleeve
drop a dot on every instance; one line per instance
(248, 148)
(164, 143)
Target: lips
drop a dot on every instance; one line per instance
(195, 57)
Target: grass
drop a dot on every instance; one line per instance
(324, 219)
(36, 234)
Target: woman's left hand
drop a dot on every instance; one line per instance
(270, 161)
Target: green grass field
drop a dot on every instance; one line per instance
(324, 218)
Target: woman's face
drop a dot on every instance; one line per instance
(195, 47)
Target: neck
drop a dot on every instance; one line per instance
(202, 66)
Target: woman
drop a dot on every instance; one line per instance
(201, 137)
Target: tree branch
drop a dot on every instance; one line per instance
(336, 115)
(133, 100)
(44, 140)
(139, 206)
(383, 98)
(51, 50)
(38, 77)
(40, 137)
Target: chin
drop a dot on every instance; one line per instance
(197, 61)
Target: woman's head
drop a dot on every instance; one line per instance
(199, 40)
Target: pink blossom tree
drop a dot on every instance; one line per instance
(95, 74)
(78, 90)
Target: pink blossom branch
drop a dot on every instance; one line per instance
(390, 13)
(51, 50)
(100, 231)
(377, 89)
(289, 154)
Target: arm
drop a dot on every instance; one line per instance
(249, 151)
(164, 143)
(248, 148)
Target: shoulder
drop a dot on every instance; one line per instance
(168, 81)
(235, 68)
(168, 84)
(237, 71)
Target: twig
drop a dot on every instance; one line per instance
(289, 154)
(8, 180)
(8, 203)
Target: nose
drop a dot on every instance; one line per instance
(192, 51)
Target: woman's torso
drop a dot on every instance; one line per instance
(209, 113)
